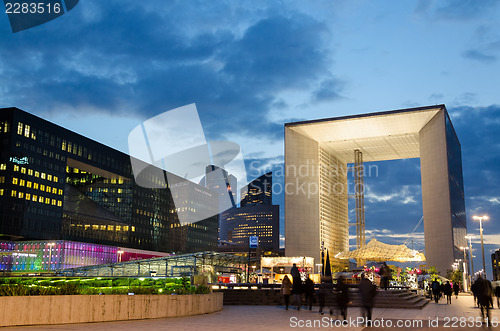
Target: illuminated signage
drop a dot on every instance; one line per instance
(22, 160)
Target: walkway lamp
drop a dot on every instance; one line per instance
(50, 253)
(481, 218)
(471, 260)
(464, 273)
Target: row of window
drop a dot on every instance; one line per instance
(36, 186)
(27, 132)
(34, 198)
(101, 227)
(31, 172)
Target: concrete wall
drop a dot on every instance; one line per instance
(436, 195)
(67, 309)
(302, 231)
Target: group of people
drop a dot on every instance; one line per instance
(336, 294)
(483, 295)
(437, 291)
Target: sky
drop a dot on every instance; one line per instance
(251, 66)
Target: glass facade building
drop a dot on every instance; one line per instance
(58, 185)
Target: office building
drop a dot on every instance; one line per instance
(259, 191)
(318, 152)
(58, 185)
(495, 264)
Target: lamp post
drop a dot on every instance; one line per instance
(481, 218)
(50, 253)
(471, 260)
(464, 269)
(120, 252)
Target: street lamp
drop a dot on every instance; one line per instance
(50, 253)
(320, 265)
(120, 252)
(464, 273)
(481, 218)
(471, 260)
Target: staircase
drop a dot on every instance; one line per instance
(402, 299)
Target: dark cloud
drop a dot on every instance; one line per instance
(134, 57)
(456, 9)
(328, 90)
(479, 56)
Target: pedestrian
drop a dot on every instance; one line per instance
(497, 294)
(325, 292)
(342, 292)
(429, 291)
(484, 297)
(456, 290)
(367, 292)
(435, 290)
(473, 288)
(297, 287)
(286, 290)
(447, 292)
(385, 276)
(309, 290)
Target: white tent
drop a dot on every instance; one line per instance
(378, 251)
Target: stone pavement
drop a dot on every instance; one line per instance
(433, 317)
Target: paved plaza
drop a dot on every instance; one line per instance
(433, 317)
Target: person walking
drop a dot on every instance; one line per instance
(325, 291)
(435, 290)
(497, 294)
(297, 287)
(367, 292)
(456, 289)
(484, 297)
(286, 290)
(385, 276)
(309, 290)
(342, 290)
(447, 291)
(473, 288)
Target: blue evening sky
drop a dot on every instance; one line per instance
(250, 66)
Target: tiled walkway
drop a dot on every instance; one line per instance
(254, 318)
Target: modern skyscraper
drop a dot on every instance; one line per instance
(259, 191)
(317, 153)
(257, 216)
(56, 184)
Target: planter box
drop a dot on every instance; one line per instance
(67, 309)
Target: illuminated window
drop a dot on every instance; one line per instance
(43, 175)
(54, 190)
(59, 203)
(14, 193)
(16, 167)
(54, 202)
(95, 227)
(35, 197)
(23, 170)
(6, 127)
(69, 147)
(30, 172)
(21, 182)
(42, 187)
(28, 184)
(27, 131)
(60, 192)
(125, 228)
(133, 229)
(1, 191)
(47, 201)
(48, 189)
(28, 196)
(55, 179)
(49, 177)
(20, 128)
(15, 181)
(20, 195)
(63, 147)
(119, 200)
(37, 174)
(110, 228)
(120, 190)
(2, 179)
(3, 166)
(40, 199)
(118, 228)
(33, 135)
(102, 228)
(35, 186)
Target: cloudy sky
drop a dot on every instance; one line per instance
(250, 66)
